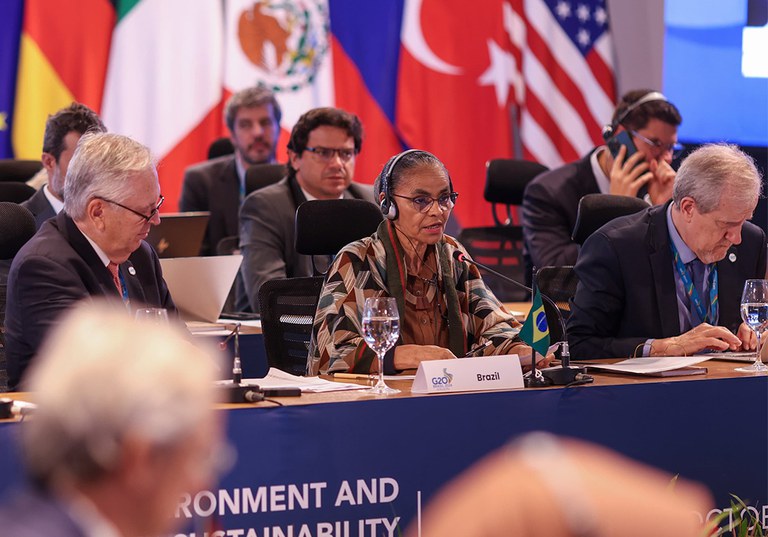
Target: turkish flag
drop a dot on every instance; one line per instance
(457, 76)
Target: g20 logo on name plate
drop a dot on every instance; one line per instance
(285, 40)
(444, 381)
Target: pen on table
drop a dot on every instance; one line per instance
(477, 349)
(352, 376)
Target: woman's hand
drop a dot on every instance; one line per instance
(525, 352)
(409, 356)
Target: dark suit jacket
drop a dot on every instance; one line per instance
(32, 513)
(626, 292)
(550, 204)
(40, 207)
(268, 236)
(59, 267)
(213, 186)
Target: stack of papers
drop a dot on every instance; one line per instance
(280, 379)
(651, 366)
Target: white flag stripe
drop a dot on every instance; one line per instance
(559, 107)
(538, 142)
(150, 94)
(569, 59)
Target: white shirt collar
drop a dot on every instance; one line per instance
(88, 517)
(99, 251)
(603, 182)
(55, 202)
(310, 197)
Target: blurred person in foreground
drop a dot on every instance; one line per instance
(543, 486)
(124, 426)
(94, 247)
(445, 307)
(668, 280)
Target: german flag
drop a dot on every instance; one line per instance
(62, 58)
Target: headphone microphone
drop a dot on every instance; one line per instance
(609, 130)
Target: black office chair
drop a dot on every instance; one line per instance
(15, 192)
(17, 225)
(501, 246)
(287, 311)
(19, 170)
(323, 227)
(559, 284)
(220, 147)
(596, 210)
(261, 175)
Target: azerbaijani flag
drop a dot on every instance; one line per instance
(535, 331)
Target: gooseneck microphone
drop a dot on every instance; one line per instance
(558, 376)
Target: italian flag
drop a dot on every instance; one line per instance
(163, 84)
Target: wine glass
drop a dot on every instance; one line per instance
(754, 312)
(381, 328)
(152, 315)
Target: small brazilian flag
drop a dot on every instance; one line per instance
(535, 331)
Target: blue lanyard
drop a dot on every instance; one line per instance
(123, 287)
(693, 294)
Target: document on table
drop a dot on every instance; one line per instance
(280, 379)
(222, 327)
(649, 366)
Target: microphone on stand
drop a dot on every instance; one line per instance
(558, 376)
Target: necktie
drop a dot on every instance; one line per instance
(113, 269)
(697, 271)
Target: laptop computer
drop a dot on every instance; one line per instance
(200, 285)
(179, 234)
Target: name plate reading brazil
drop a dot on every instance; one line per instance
(469, 374)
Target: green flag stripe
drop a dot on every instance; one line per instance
(123, 7)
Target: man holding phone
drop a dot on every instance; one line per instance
(641, 142)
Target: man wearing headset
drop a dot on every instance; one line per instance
(641, 142)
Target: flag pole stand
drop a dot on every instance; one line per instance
(536, 379)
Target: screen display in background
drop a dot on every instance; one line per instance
(716, 69)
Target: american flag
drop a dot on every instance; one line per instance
(565, 55)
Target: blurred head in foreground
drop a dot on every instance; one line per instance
(543, 486)
(125, 418)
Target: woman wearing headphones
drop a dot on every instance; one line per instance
(445, 309)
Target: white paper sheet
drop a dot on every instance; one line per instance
(280, 379)
(650, 365)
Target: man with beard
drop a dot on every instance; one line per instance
(218, 185)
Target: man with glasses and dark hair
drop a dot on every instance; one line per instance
(253, 117)
(94, 247)
(641, 143)
(322, 150)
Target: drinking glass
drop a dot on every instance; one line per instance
(152, 315)
(381, 328)
(754, 312)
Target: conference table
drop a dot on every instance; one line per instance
(347, 463)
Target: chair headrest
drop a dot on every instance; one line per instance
(15, 192)
(596, 210)
(220, 147)
(17, 225)
(261, 175)
(323, 227)
(18, 169)
(506, 178)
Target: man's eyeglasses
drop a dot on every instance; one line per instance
(137, 213)
(424, 203)
(325, 154)
(675, 148)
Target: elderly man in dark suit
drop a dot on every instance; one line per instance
(551, 200)
(125, 425)
(668, 280)
(94, 247)
(253, 119)
(322, 150)
(62, 131)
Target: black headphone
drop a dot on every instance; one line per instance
(610, 130)
(388, 206)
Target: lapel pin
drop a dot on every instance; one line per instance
(732, 257)
(132, 271)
